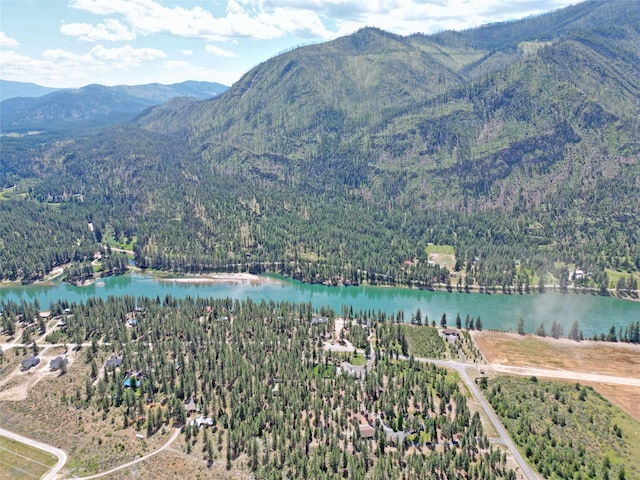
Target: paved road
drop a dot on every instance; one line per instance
(461, 368)
(60, 454)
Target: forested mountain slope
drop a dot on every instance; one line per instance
(343, 160)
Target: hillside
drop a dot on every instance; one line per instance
(94, 105)
(341, 161)
(10, 89)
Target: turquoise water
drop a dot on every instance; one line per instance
(595, 314)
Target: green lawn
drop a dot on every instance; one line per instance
(440, 249)
(358, 360)
(614, 276)
(19, 461)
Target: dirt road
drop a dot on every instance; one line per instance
(137, 460)
(565, 375)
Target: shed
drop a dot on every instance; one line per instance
(366, 431)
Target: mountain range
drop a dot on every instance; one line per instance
(36, 108)
(511, 141)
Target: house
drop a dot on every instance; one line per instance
(29, 363)
(190, 406)
(57, 363)
(114, 361)
(319, 319)
(366, 431)
(449, 332)
(202, 420)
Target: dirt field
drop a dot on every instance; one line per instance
(615, 359)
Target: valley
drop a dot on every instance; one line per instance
(377, 256)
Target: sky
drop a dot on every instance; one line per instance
(72, 43)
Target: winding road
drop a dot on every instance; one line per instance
(59, 454)
(133, 462)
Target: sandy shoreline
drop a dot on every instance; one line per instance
(218, 278)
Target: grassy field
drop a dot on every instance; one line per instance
(440, 249)
(614, 276)
(19, 461)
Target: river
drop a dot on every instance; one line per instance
(595, 314)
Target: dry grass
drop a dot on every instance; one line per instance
(617, 359)
(93, 443)
(624, 397)
(19, 461)
(174, 463)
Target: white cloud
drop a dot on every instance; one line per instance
(122, 57)
(9, 42)
(111, 30)
(188, 53)
(59, 70)
(126, 54)
(242, 20)
(307, 19)
(59, 67)
(220, 52)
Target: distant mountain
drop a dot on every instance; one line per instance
(511, 141)
(94, 105)
(10, 89)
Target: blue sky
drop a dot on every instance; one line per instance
(71, 43)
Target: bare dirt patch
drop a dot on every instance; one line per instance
(16, 384)
(443, 260)
(617, 359)
(614, 359)
(622, 396)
